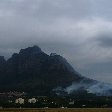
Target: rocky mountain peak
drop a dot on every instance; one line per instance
(53, 54)
(2, 59)
(31, 50)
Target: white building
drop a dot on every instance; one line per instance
(19, 101)
(71, 103)
(32, 100)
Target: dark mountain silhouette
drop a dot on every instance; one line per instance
(31, 70)
(2, 66)
(34, 72)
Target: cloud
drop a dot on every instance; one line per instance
(106, 40)
(76, 29)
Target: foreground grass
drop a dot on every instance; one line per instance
(59, 110)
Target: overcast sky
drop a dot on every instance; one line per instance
(79, 30)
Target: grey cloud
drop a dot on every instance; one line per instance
(47, 8)
(105, 40)
(102, 8)
(100, 71)
(71, 28)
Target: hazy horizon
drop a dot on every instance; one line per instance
(79, 30)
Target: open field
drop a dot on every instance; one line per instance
(59, 110)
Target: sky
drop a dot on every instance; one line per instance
(79, 30)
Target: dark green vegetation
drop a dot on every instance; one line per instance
(79, 101)
(58, 110)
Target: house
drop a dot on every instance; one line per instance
(32, 100)
(83, 105)
(19, 101)
(71, 103)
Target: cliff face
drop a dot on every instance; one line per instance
(34, 72)
(31, 70)
(2, 66)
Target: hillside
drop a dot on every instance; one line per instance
(34, 72)
(31, 70)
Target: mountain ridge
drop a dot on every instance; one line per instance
(33, 71)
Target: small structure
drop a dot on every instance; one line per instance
(71, 103)
(19, 101)
(10, 101)
(83, 105)
(32, 100)
(62, 107)
(1, 107)
(46, 107)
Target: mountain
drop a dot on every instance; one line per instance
(34, 72)
(2, 65)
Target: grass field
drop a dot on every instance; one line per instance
(58, 110)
